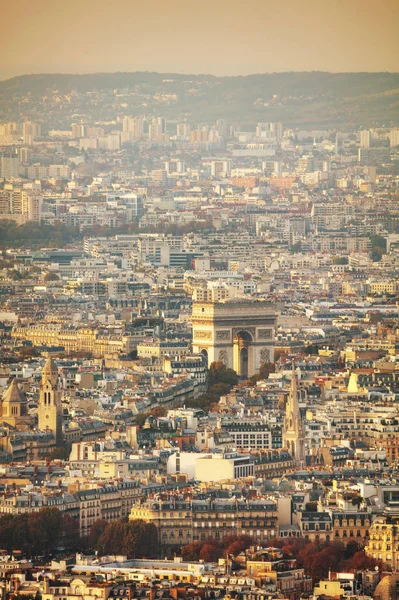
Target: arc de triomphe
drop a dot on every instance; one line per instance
(239, 333)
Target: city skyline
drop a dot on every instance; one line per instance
(220, 40)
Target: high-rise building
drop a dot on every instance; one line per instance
(365, 138)
(50, 408)
(220, 168)
(79, 130)
(183, 130)
(132, 128)
(25, 155)
(32, 207)
(394, 138)
(156, 128)
(4, 202)
(9, 166)
(30, 131)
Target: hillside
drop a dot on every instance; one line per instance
(313, 99)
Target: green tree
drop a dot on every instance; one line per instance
(340, 260)
(15, 275)
(378, 247)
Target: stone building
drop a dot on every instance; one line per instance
(180, 522)
(294, 430)
(50, 407)
(383, 542)
(237, 332)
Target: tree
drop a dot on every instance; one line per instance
(357, 500)
(191, 552)
(44, 529)
(340, 260)
(210, 552)
(70, 533)
(219, 373)
(378, 247)
(28, 352)
(15, 275)
(51, 277)
(136, 539)
(96, 531)
(157, 411)
(359, 561)
(58, 454)
(264, 372)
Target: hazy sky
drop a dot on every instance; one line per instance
(206, 36)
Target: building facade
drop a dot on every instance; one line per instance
(239, 333)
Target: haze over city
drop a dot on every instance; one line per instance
(199, 300)
(221, 38)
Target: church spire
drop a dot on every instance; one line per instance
(294, 431)
(50, 372)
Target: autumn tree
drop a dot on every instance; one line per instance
(265, 370)
(210, 552)
(191, 552)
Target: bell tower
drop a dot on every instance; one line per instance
(50, 407)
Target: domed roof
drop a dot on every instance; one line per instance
(13, 394)
(386, 589)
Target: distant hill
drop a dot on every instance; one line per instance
(315, 99)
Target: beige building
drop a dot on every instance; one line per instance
(384, 541)
(76, 589)
(239, 333)
(75, 340)
(181, 522)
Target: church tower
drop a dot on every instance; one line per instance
(294, 430)
(50, 407)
